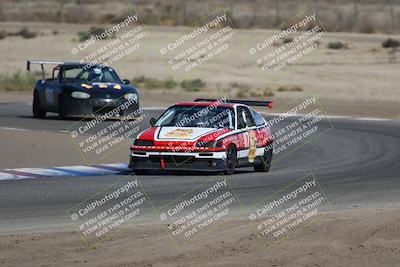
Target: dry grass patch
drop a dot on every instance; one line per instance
(290, 88)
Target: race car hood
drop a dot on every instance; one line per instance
(188, 134)
(182, 133)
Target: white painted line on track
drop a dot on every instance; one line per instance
(332, 117)
(14, 129)
(62, 171)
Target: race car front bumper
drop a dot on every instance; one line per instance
(99, 106)
(213, 161)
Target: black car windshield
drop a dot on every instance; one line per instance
(198, 116)
(89, 75)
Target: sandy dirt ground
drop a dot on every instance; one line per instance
(364, 73)
(340, 238)
(359, 81)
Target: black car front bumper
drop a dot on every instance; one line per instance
(100, 106)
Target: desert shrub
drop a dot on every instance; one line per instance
(290, 88)
(94, 32)
(241, 86)
(170, 83)
(139, 79)
(255, 94)
(241, 94)
(3, 34)
(192, 85)
(26, 33)
(167, 22)
(150, 18)
(268, 92)
(234, 84)
(337, 45)
(17, 82)
(100, 33)
(287, 40)
(262, 93)
(390, 43)
(153, 83)
(83, 36)
(229, 16)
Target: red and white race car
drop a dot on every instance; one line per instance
(205, 135)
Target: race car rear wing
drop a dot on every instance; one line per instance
(44, 62)
(255, 103)
(47, 62)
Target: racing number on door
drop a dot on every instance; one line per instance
(246, 122)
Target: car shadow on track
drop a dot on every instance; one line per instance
(187, 173)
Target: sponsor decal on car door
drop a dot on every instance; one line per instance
(252, 145)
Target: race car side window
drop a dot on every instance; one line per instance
(244, 118)
(240, 118)
(258, 119)
(249, 118)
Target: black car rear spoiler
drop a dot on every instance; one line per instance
(43, 62)
(48, 62)
(256, 103)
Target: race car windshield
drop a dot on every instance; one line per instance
(197, 116)
(89, 75)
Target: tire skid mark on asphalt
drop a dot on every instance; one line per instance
(53, 172)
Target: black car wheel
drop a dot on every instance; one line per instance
(231, 159)
(62, 107)
(37, 111)
(265, 161)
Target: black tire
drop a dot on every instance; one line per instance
(264, 163)
(231, 159)
(62, 107)
(37, 111)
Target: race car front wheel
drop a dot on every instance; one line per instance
(231, 159)
(37, 111)
(265, 163)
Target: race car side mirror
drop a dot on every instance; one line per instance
(125, 81)
(153, 121)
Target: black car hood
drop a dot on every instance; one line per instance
(101, 89)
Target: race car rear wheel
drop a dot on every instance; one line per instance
(37, 111)
(265, 161)
(231, 159)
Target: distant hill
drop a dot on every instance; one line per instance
(366, 16)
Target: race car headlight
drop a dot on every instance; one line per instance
(80, 95)
(131, 97)
(209, 144)
(139, 142)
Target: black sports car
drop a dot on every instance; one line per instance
(82, 89)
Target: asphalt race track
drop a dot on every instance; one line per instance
(357, 164)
